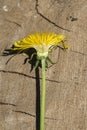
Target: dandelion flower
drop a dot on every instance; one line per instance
(43, 43)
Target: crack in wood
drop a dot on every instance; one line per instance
(24, 113)
(32, 115)
(78, 52)
(44, 17)
(32, 77)
(4, 103)
(13, 22)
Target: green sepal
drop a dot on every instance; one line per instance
(65, 45)
(37, 64)
(32, 56)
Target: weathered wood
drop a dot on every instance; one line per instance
(66, 96)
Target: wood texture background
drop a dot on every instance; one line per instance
(66, 93)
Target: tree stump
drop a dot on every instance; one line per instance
(66, 90)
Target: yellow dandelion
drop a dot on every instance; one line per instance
(43, 43)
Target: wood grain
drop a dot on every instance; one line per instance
(66, 93)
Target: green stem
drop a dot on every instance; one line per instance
(43, 92)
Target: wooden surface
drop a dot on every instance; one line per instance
(66, 93)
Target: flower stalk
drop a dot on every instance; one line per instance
(43, 93)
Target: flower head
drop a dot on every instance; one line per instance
(43, 43)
